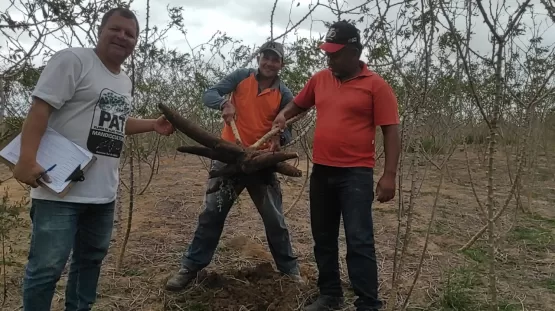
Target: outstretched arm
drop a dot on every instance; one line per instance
(301, 103)
(138, 126)
(292, 109)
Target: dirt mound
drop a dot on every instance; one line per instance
(258, 288)
(248, 249)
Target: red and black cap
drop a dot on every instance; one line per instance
(340, 34)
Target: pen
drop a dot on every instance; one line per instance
(48, 170)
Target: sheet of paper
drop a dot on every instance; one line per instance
(53, 149)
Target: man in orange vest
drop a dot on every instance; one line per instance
(257, 97)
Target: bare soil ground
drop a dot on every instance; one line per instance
(242, 274)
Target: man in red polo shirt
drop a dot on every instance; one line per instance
(350, 101)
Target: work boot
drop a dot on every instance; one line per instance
(181, 279)
(296, 278)
(325, 303)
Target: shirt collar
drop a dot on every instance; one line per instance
(275, 84)
(365, 72)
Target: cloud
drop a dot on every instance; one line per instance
(258, 11)
(249, 21)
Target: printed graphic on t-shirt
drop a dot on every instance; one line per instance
(108, 124)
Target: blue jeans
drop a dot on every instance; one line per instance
(349, 192)
(59, 227)
(265, 191)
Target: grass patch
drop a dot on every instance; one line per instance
(550, 284)
(476, 254)
(548, 221)
(509, 306)
(535, 237)
(464, 290)
(459, 291)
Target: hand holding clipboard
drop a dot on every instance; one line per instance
(66, 161)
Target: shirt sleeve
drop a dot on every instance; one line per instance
(305, 98)
(213, 96)
(59, 79)
(286, 98)
(385, 108)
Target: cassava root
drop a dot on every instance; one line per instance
(239, 160)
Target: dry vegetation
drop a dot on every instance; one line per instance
(472, 226)
(242, 276)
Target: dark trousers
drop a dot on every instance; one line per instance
(349, 192)
(265, 192)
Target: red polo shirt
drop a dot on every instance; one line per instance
(347, 114)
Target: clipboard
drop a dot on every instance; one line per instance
(9, 153)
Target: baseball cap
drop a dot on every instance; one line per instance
(340, 34)
(273, 46)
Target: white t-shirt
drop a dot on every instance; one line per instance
(91, 108)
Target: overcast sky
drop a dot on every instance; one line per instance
(249, 20)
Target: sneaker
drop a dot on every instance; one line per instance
(326, 303)
(180, 280)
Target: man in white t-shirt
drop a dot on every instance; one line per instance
(83, 95)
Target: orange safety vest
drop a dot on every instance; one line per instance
(255, 112)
